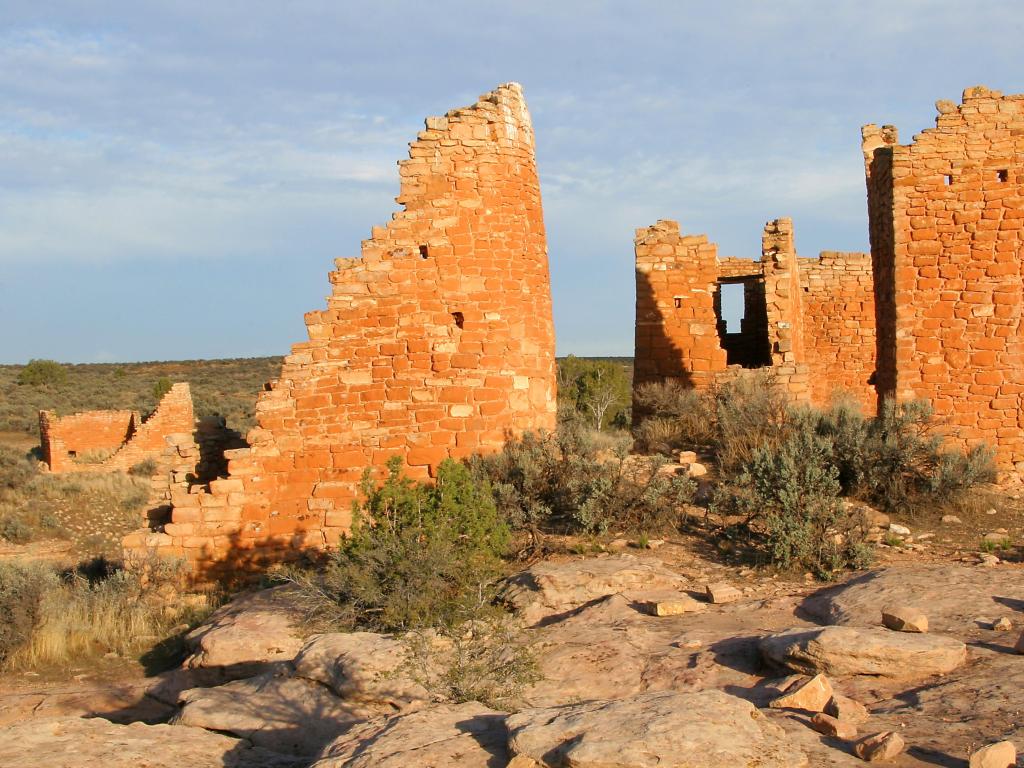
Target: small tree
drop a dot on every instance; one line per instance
(161, 388)
(43, 373)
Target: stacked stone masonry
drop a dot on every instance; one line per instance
(946, 215)
(810, 320)
(106, 441)
(436, 342)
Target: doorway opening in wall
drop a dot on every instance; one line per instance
(742, 316)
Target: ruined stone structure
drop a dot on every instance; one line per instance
(946, 214)
(437, 342)
(810, 320)
(106, 441)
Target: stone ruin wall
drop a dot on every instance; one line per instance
(946, 214)
(437, 342)
(128, 438)
(810, 320)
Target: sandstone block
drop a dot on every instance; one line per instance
(1002, 754)
(905, 619)
(811, 695)
(879, 747)
(831, 726)
(847, 709)
(722, 592)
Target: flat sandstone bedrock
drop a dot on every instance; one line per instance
(446, 736)
(548, 589)
(844, 651)
(664, 729)
(90, 743)
(953, 596)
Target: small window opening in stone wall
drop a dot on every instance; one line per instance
(677, 302)
(949, 180)
(1003, 175)
(742, 326)
(424, 252)
(459, 318)
(72, 454)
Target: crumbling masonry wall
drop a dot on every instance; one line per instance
(810, 320)
(946, 214)
(437, 342)
(123, 434)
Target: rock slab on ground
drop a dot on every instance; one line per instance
(286, 714)
(247, 634)
(447, 736)
(360, 666)
(843, 651)
(666, 729)
(549, 589)
(88, 743)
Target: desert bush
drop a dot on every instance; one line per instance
(906, 467)
(672, 418)
(145, 468)
(730, 421)
(750, 414)
(896, 461)
(418, 555)
(162, 387)
(562, 483)
(15, 471)
(22, 590)
(788, 494)
(487, 659)
(63, 618)
(43, 373)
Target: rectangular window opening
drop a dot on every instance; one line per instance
(1003, 175)
(459, 318)
(424, 253)
(677, 302)
(949, 180)
(733, 306)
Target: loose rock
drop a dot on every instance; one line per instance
(847, 709)
(722, 592)
(672, 605)
(831, 726)
(882, 746)
(811, 695)
(1002, 754)
(1002, 624)
(904, 619)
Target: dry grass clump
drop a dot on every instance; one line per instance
(52, 619)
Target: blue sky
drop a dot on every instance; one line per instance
(176, 178)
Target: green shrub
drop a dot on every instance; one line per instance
(563, 483)
(907, 468)
(418, 555)
(788, 494)
(896, 461)
(597, 390)
(43, 373)
(162, 387)
(487, 659)
(22, 590)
